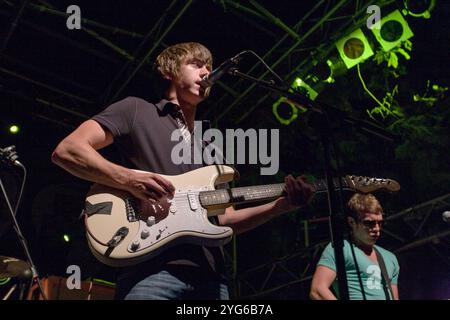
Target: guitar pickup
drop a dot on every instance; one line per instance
(192, 197)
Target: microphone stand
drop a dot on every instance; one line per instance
(321, 121)
(10, 157)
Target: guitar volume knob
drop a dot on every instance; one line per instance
(145, 233)
(135, 245)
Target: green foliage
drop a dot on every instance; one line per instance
(389, 107)
(414, 127)
(431, 96)
(391, 57)
(420, 160)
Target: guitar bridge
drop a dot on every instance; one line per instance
(132, 208)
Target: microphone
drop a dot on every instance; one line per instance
(446, 216)
(217, 73)
(9, 156)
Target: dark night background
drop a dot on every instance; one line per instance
(52, 79)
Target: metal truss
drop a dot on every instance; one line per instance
(156, 44)
(277, 276)
(423, 224)
(320, 18)
(47, 8)
(331, 12)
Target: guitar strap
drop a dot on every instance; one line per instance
(385, 281)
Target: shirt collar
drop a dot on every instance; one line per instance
(166, 105)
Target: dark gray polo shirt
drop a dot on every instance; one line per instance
(142, 132)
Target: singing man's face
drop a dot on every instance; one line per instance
(187, 82)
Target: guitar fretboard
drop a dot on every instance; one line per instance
(241, 194)
(255, 193)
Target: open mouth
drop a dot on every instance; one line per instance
(201, 85)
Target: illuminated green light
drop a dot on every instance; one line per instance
(14, 129)
(291, 115)
(330, 78)
(297, 83)
(66, 238)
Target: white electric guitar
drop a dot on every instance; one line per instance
(123, 230)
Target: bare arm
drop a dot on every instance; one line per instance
(321, 282)
(77, 154)
(395, 291)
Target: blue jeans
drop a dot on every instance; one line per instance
(174, 285)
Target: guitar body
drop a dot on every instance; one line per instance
(122, 230)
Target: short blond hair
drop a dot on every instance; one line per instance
(169, 60)
(361, 203)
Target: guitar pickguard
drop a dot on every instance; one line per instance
(181, 216)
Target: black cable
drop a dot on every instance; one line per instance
(265, 64)
(19, 198)
(338, 171)
(357, 271)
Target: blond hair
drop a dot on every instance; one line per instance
(361, 203)
(168, 61)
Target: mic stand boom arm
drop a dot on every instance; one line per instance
(303, 102)
(323, 126)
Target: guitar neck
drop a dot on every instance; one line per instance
(255, 193)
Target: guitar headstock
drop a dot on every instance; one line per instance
(368, 184)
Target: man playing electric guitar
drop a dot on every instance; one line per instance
(142, 130)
